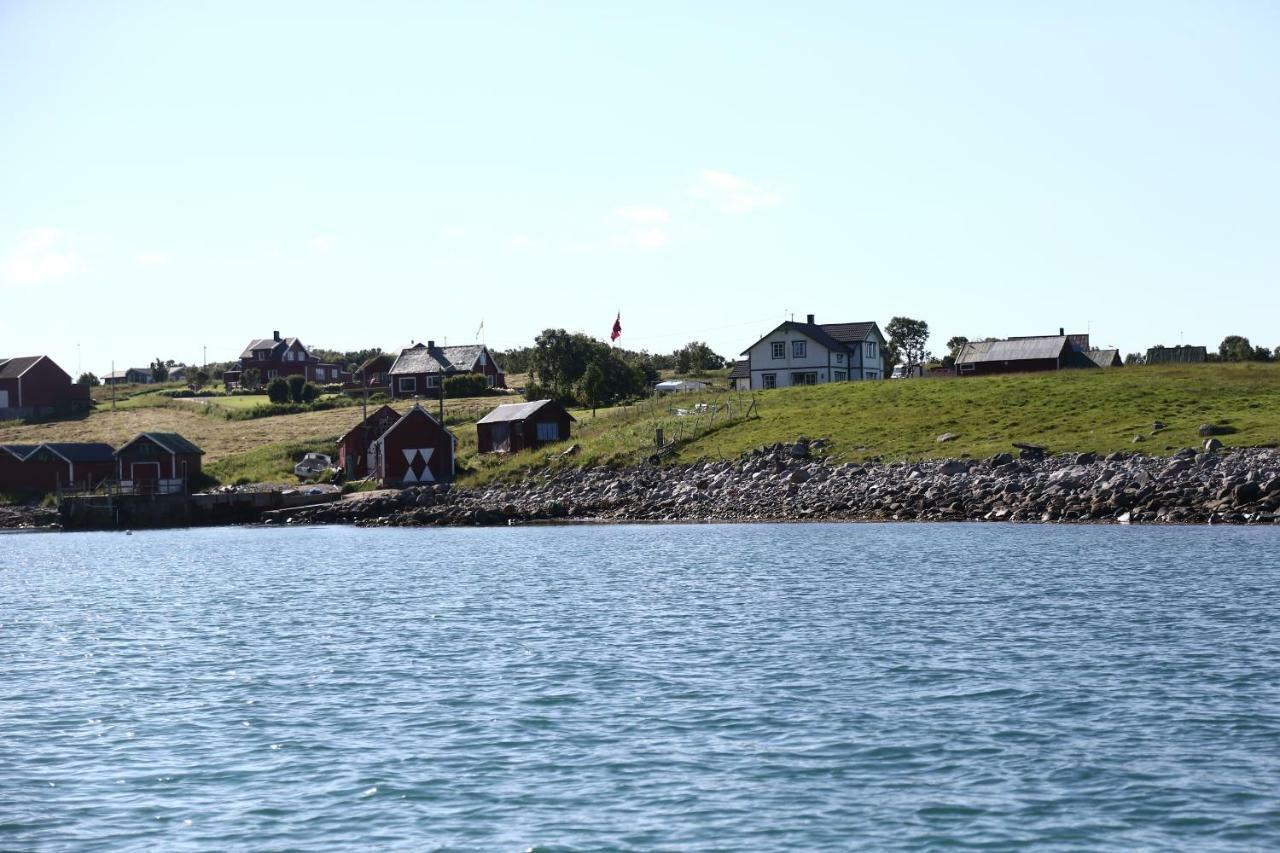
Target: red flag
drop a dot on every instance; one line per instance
(617, 328)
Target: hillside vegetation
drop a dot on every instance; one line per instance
(1097, 410)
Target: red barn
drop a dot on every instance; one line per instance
(158, 461)
(35, 386)
(66, 466)
(513, 427)
(353, 447)
(415, 449)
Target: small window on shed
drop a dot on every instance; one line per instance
(548, 431)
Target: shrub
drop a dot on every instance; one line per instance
(296, 384)
(278, 390)
(465, 385)
(309, 392)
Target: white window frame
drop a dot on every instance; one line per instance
(433, 381)
(839, 375)
(871, 349)
(799, 349)
(779, 350)
(407, 384)
(801, 377)
(769, 380)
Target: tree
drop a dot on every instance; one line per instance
(251, 379)
(1135, 358)
(1262, 354)
(199, 379)
(296, 383)
(89, 379)
(160, 370)
(593, 389)
(560, 360)
(696, 358)
(908, 337)
(278, 390)
(310, 391)
(1235, 348)
(954, 344)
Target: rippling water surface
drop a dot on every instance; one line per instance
(684, 687)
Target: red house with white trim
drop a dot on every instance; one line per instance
(353, 447)
(34, 386)
(157, 462)
(281, 357)
(415, 450)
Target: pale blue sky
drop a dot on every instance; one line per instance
(174, 175)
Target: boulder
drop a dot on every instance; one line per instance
(947, 436)
(954, 466)
(1212, 445)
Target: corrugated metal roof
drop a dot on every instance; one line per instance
(1017, 349)
(515, 412)
(1103, 357)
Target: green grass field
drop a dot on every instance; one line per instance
(1097, 410)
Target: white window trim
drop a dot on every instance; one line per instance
(769, 381)
(778, 350)
(799, 349)
(407, 383)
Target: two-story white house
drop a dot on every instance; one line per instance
(811, 354)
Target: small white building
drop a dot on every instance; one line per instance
(811, 354)
(672, 386)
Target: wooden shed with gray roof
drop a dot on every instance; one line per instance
(513, 427)
(152, 458)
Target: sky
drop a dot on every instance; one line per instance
(179, 178)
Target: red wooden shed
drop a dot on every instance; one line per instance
(158, 461)
(415, 449)
(12, 469)
(66, 466)
(513, 427)
(353, 447)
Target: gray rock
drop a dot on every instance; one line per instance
(947, 436)
(1212, 445)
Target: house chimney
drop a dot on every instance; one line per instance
(809, 320)
(431, 344)
(275, 335)
(1061, 331)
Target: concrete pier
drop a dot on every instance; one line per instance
(125, 512)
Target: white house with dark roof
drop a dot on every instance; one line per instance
(811, 354)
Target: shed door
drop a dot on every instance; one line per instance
(145, 474)
(4, 398)
(501, 437)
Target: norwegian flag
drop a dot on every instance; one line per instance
(617, 328)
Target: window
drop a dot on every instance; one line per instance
(810, 378)
(840, 375)
(779, 349)
(549, 431)
(873, 374)
(272, 374)
(433, 381)
(260, 355)
(770, 379)
(839, 358)
(798, 349)
(408, 384)
(871, 349)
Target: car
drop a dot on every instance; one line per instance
(313, 465)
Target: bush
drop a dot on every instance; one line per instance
(309, 392)
(278, 390)
(465, 385)
(296, 384)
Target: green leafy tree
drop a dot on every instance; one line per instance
(310, 391)
(251, 379)
(278, 390)
(1235, 348)
(593, 386)
(696, 358)
(160, 370)
(89, 379)
(1134, 359)
(908, 338)
(465, 385)
(296, 383)
(199, 379)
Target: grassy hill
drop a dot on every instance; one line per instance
(1098, 410)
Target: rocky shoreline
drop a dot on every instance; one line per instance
(28, 518)
(796, 482)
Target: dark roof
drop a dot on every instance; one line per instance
(417, 409)
(372, 420)
(1014, 349)
(741, 370)
(170, 441)
(1104, 357)
(1178, 354)
(82, 451)
(420, 358)
(267, 344)
(12, 368)
(508, 412)
(377, 364)
(20, 451)
(841, 337)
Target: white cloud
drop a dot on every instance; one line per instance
(42, 255)
(646, 227)
(151, 259)
(520, 242)
(321, 244)
(731, 194)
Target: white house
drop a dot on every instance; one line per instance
(811, 354)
